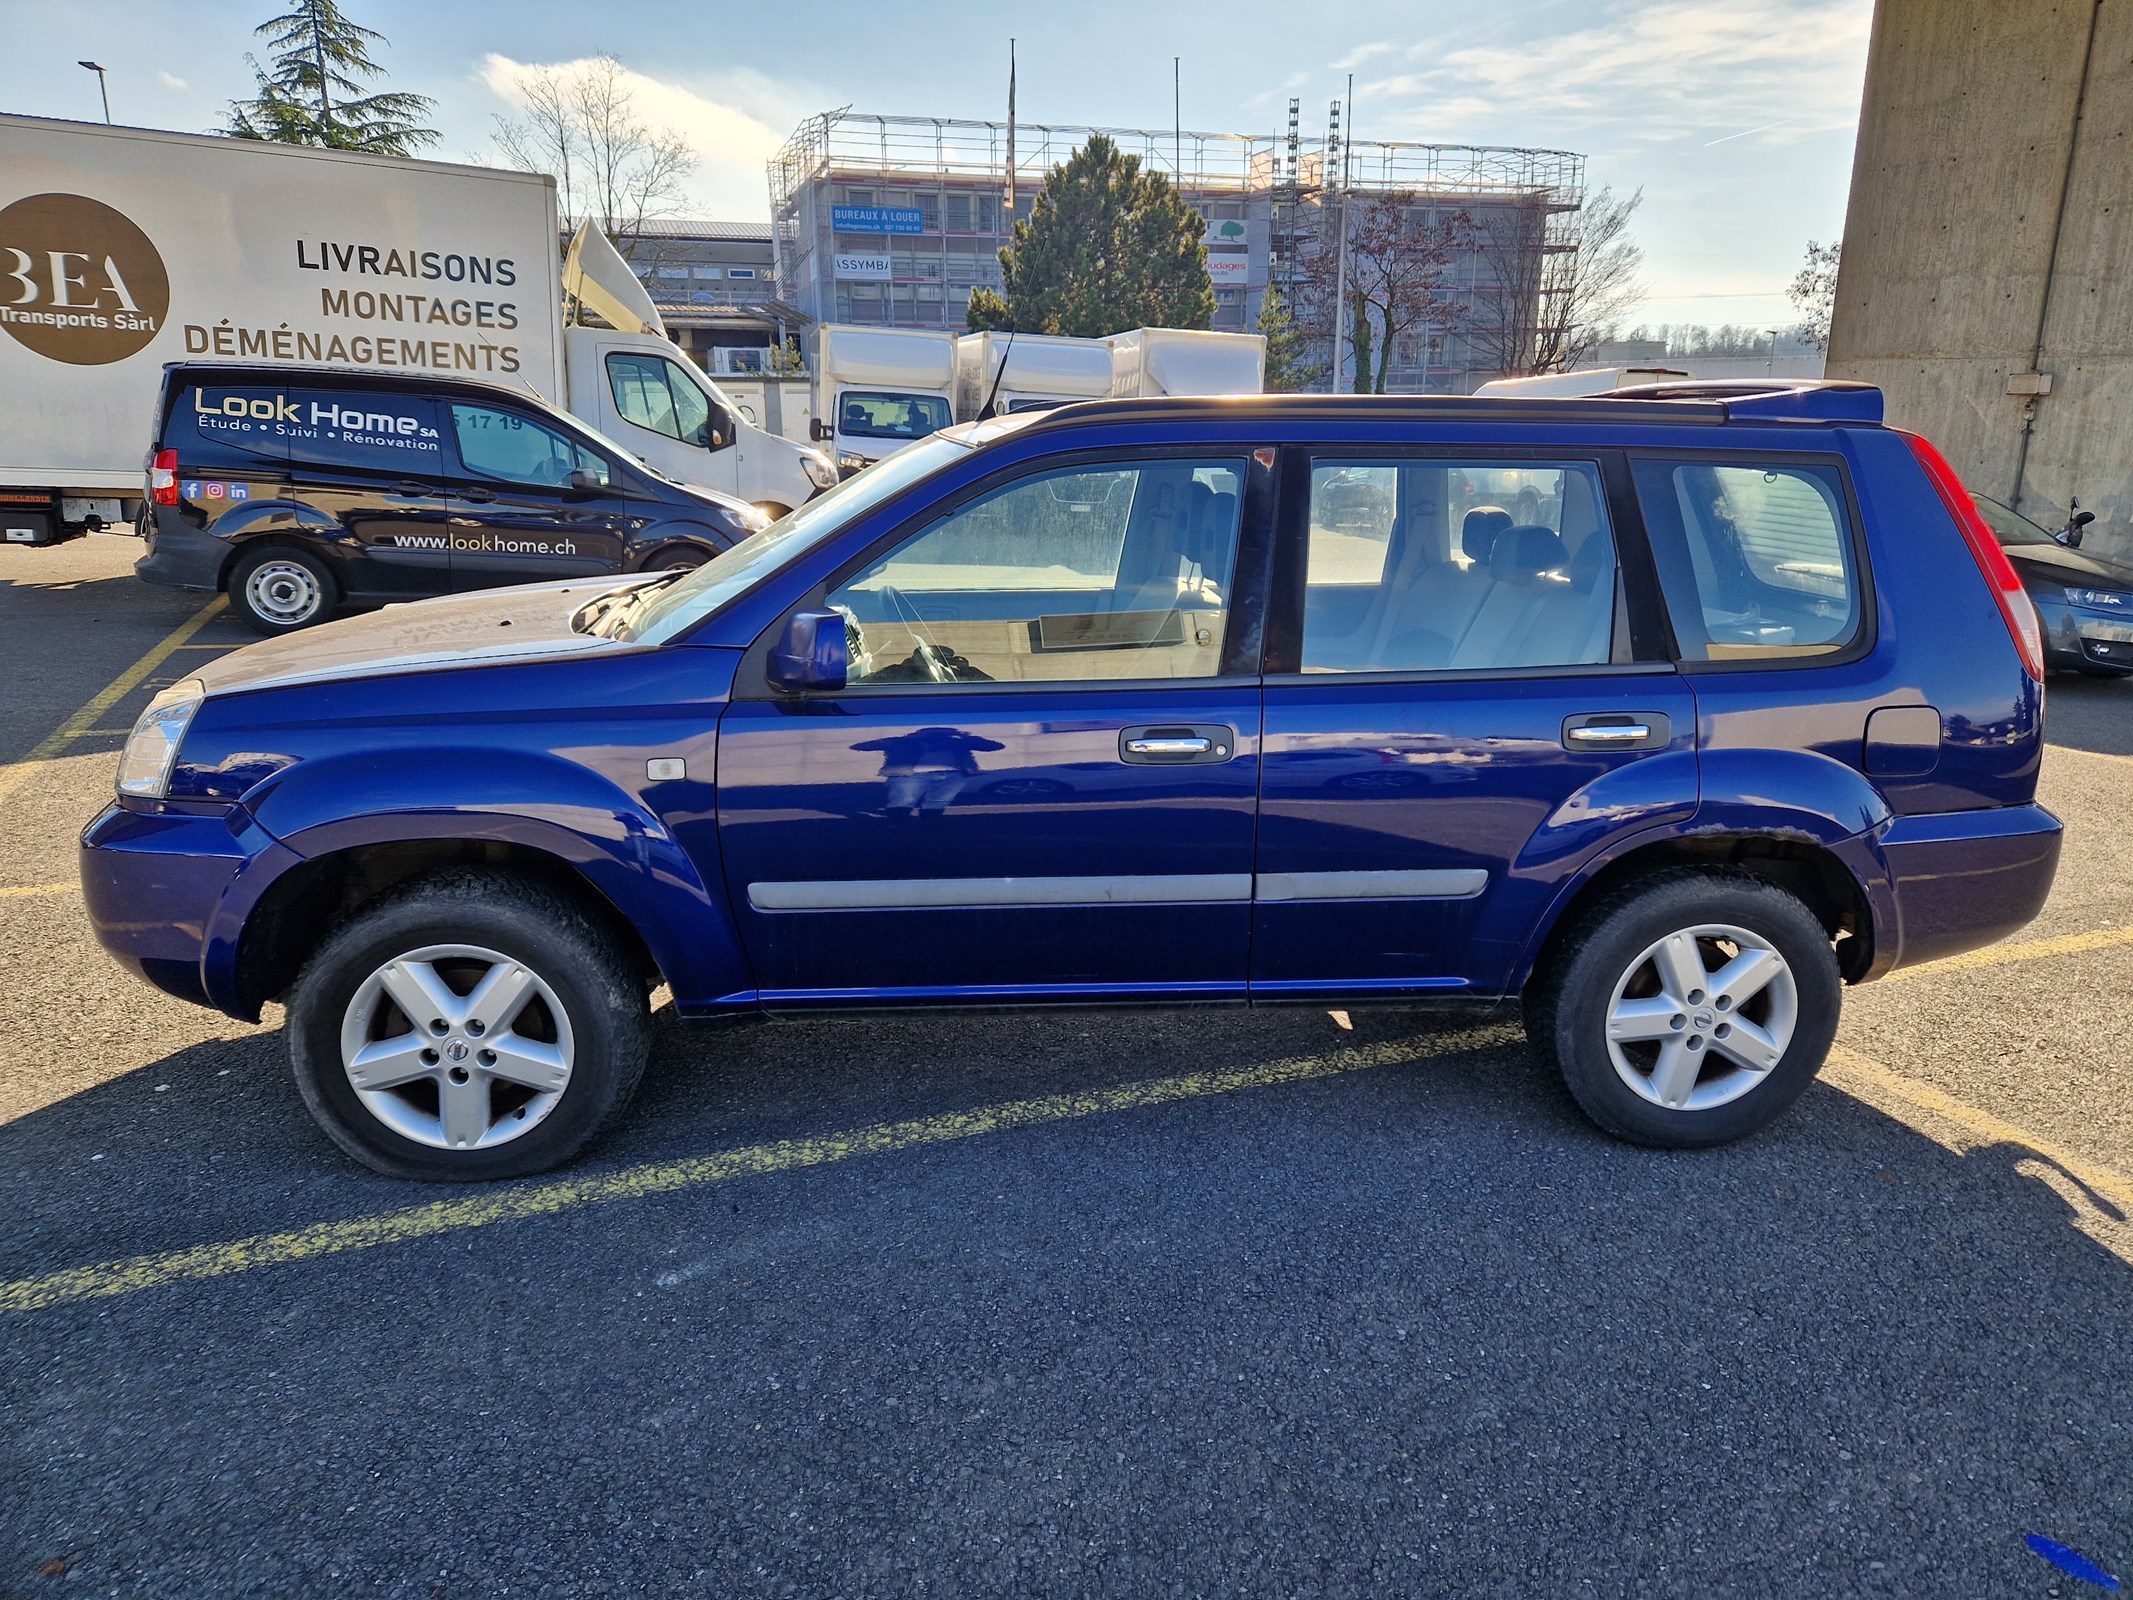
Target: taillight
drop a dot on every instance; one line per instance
(2016, 610)
(163, 478)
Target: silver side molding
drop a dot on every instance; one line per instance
(918, 894)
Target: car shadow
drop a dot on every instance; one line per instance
(2093, 714)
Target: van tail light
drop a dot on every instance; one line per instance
(2016, 609)
(163, 478)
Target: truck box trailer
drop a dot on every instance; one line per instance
(122, 249)
(1150, 362)
(1013, 372)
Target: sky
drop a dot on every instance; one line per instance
(1736, 118)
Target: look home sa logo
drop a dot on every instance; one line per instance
(78, 281)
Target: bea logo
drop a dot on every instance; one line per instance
(78, 281)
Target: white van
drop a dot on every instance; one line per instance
(879, 389)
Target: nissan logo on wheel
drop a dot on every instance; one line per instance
(78, 281)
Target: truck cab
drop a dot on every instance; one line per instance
(879, 389)
(641, 391)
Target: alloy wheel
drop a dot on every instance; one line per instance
(1701, 1017)
(457, 1047)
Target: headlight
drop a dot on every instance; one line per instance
(2102, 600)
(847, 464)
(818, 469)
(152, 748)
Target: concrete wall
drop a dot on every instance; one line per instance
(1990, 234)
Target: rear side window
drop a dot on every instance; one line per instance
(1433, 565)
(218, 425)
(1757, 560)
(494, 443)
(365, 430)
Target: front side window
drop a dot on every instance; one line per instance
(652, 394)
(891, 416)
(1756, 562)
(1435, 565)
(494, 443)
(1080, 574)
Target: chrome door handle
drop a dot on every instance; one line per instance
(1612, 733)
(1169, 747)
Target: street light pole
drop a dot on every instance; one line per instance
(101, 87)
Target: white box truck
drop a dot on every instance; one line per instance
(125, 248)
(1013, 372)
(1150, 362)
(879, 389)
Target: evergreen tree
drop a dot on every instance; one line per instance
(313, 91)
(1106, 247)
(1289, 366)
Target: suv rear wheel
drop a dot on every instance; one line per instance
(469, 1026)
(277, 589)
(1690, 1008)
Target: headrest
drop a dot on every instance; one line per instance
(1595, 557)
(1479, 531)
(1526, 550)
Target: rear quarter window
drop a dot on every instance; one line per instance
(216, 426)
(1756, 559)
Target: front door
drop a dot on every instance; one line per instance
(516, 517)
(1040, 781)
(1464, 718)
(666, 417)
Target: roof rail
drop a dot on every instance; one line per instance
(1770, 399)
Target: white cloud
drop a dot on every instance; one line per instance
(1774, 71)
(734, 121)
(170, 82)
(1363, 53)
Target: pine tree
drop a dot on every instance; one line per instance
(1106, 247)
(1290, 368)
(313, 91)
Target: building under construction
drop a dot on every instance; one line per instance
(894, 220)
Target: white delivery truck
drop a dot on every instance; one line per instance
(1012, 372)
(879, 389)
(125, 248)
(1567, 385)
(1178, 361)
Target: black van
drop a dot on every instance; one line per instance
(300, 489)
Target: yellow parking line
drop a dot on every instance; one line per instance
(2007, 955)
(638, 1183)
(14, 776)
(18, 890)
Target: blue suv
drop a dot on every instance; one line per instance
(1666, 713)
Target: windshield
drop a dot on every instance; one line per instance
(679, 606)
(2009, 527)
(891, 416)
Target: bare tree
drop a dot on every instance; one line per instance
(1400, 246)
(1813, 291)
(1559, 285)
(581, 125)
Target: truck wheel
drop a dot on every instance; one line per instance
(1689, 1008)
(277, 589)
(468, 1026)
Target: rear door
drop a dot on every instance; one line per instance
(516, 516)
(1457, 715)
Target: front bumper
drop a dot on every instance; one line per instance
(181, 555)
(1963, 879)
(168, 892)
(2084, 639)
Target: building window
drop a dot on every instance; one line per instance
(859, 197)
(958, 213)
(709, 272)
(740, 272)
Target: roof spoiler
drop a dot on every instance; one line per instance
(1774, 399)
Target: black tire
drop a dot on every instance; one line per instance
(1566, 1014)
(277, 589)
(598, 990)
(678, 558)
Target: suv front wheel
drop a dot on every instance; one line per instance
(1689, 1008)
(467, 1026)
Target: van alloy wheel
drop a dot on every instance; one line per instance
(457, 1047)
(1701, 1017)
(285, 593)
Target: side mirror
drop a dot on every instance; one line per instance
(584, 482)
(819, 431)
(811, 653)
(2075, 525)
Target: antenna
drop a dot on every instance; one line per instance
(1010, 134)
(998, 377)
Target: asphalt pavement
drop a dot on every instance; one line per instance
(1121, 1304)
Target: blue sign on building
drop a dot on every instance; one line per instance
(876, 219)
